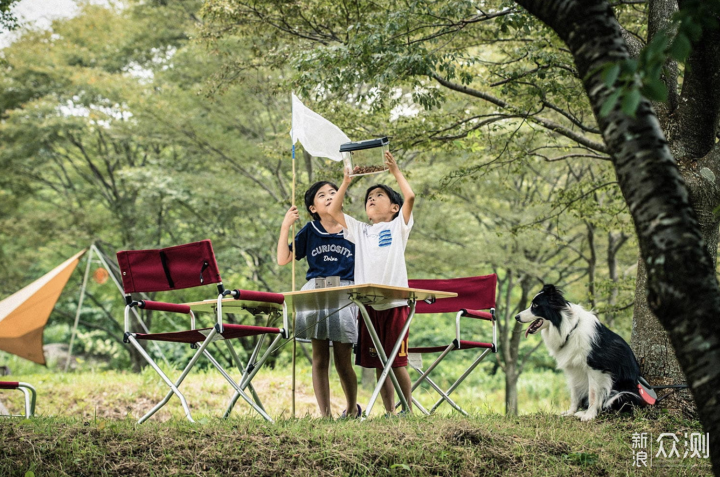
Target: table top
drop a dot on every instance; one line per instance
(323, 298)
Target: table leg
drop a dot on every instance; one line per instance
(386, 360)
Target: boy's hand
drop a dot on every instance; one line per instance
(346, 176)
(291, 216)
(390, 163)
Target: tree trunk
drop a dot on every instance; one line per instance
(511, 333)
(655, 353)
(650, 341)
(592, 263)
(511, 397)
(681, 281)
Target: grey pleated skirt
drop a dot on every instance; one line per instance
(339, 326)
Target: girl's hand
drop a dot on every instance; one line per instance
(390, 163)
(291, 216)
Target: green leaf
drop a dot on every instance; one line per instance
(610, 103)
(655, 90)
(29, 473)
(629, 66)
(680, 48)
(610, 74)
(401, 466)
(658, 45)
(631, 101)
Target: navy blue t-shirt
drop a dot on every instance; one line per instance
(328, 255)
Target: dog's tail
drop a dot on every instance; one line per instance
(623, 399)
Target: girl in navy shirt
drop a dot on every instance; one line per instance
(328, 253)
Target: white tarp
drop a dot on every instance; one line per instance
(319, 137)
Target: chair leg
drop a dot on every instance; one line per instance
(444, 397)
(424, 376)
(459, 381)
(173, 386)
(250, 372)
(241, 368)
(30, 397)
(237, 388)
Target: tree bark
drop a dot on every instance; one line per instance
(655, 354)
(682, 286)
(510, 335)
(592, 262)
(688, 124)
(511, 396)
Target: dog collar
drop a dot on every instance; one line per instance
(568, 336)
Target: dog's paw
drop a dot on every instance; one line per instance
(588, 416)
(567, 413)
(579, 414)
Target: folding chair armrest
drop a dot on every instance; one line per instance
(483, 315)
(160, 306)
(157, 306)
(265, 297)
(251, 295)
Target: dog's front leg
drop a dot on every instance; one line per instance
(578, 390)
(598, 384)
(574, 403)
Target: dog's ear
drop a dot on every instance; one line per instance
(549, 289)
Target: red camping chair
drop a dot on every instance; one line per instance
(187, 266)
(474, 295)
(29, 393)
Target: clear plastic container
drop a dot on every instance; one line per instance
(365, 157)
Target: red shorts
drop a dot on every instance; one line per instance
(388, 324)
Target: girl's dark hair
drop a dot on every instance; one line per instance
(310, 196)
(394, 197)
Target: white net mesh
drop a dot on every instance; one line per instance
(319, 137)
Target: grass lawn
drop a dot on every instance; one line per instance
(86, 426)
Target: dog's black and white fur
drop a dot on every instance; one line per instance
(600, 367)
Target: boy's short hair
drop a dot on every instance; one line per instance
(394, 197)
(310, 196)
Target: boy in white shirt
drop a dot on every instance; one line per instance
(380, 259)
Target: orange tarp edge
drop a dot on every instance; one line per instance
(23, 315)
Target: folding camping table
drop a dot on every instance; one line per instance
(362, 295)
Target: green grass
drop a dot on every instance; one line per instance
(86, 426)
(116, 395)
(533, 445)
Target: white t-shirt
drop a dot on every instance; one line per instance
(380, 253)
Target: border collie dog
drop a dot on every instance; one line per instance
(600, 367)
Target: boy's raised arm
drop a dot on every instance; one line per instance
(335, 208)
(405, 189)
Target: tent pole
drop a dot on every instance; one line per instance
(119, 287)
(294, 347)
(79, 307)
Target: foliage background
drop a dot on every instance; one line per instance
(136, 125)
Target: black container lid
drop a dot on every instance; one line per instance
(369, 144)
